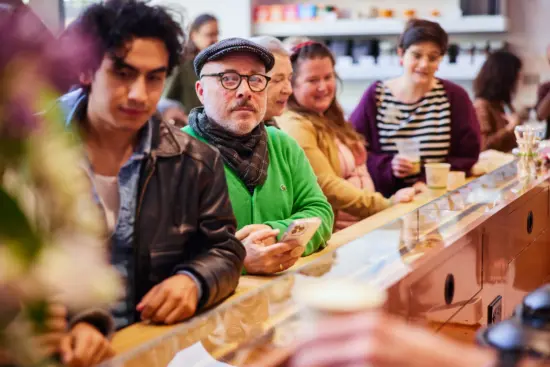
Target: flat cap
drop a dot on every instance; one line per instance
(229, 46)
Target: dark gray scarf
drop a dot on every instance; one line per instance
(246, 155)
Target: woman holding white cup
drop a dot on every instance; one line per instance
(420, 108)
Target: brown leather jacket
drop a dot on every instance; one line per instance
(184, 219)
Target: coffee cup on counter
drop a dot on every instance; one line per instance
(333, 298)
(437, 175)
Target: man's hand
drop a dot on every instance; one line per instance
(171, 301)
(85, 346)
(56, 327)
(262, 259)
(246, 231)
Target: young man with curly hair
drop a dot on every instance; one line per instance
(163, 193)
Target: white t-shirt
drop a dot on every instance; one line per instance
(107, 189)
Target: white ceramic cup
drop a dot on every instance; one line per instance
(437, 175)
(455, 180)
(319, 300)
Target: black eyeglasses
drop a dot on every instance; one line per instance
(231, 80)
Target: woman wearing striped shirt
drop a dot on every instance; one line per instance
(435, 114)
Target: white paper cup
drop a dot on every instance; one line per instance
(437, 175)
(319, 300)
(410, 149)
(455, 180)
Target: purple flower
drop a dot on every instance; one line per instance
(22, 34)
(19, 119)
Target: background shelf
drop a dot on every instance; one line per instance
(365, 27)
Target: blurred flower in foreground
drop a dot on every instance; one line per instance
(51, 232)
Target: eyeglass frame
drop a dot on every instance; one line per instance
(241, 76)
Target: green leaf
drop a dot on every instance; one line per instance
(16, 230)
(11, 151)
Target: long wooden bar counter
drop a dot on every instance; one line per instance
(443, 260)
(137, 334)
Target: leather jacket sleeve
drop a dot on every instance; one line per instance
(219, 267)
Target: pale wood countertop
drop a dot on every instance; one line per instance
(140, 333)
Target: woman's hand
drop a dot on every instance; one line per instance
(513, 121)
(404, 195)
(402, 166)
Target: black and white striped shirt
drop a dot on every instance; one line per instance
(427, 121)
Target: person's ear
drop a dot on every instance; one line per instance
(86, 78)
(200, 91)
(401, 54)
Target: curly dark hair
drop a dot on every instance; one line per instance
(106, 28)
(421, 30)
(498, 77)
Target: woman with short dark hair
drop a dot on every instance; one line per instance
(417, 107)
(494, 88)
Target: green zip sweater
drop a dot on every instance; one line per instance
(290, 192)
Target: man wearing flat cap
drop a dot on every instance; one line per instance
(271, 182)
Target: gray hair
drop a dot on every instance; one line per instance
(273, 45)
(290, 42)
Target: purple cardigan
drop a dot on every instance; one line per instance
(465, 137)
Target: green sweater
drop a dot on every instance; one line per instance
(290, 192)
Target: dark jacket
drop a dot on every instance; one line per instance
(184, 219)
(181, 87)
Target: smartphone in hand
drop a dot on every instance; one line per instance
(300, 231)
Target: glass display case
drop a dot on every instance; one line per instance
(261, 327)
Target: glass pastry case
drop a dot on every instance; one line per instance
(442, 264)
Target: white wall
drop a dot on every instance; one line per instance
(234, 15)
(49, 12)
(529, 37)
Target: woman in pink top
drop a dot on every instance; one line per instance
(335, 150)
(353, 164)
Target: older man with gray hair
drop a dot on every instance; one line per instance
(270, 180)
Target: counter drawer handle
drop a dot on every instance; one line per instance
(530, 222)
(449, 289)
